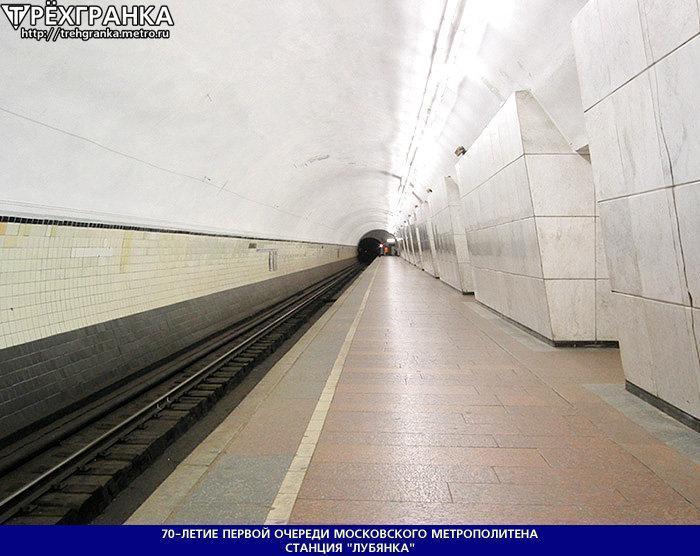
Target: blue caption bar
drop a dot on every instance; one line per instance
(361, 539)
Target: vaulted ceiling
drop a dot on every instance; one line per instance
(278, 118)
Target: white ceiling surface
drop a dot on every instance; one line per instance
(278, 118)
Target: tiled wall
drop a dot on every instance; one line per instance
(531, 225)
(73, 298)
(639, 69)
(59, 278)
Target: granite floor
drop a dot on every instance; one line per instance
(410, 403)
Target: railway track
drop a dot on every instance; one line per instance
(68, 471)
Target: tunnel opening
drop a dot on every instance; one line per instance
(376, 243)
(369, 249)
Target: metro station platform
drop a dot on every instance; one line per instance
(408, 402)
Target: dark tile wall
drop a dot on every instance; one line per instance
(42, 377)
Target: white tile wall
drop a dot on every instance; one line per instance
(59, 278)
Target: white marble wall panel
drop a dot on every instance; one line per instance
(502, 198)
(556, 235)
(590, 55)
(533, 220)
(412, 249)
(643, 246)
(625, 142)
(456, 251)
(406, 242)
(496, 147)
(417, 244)
(561, 185)
(464, 263)
(401, 242)
(406, 251)
(538, 133)
(615, 51)
(431, 267)
(622, 40)
(659, 350)
(445, 257)
(606, 320)
(461, 248)
(676, 89)
(601, 262)
(642, 106)
(445, 252)
(666, 24)
(572, 308)
(415, 255)
(510, 247)
(605, 150)
(520, 298)
(442, 244)
(606, 316)
(426, 241)
(688, 212)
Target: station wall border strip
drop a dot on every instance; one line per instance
(105, 225)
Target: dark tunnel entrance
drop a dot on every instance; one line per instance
(369, 249)
(375, 244)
